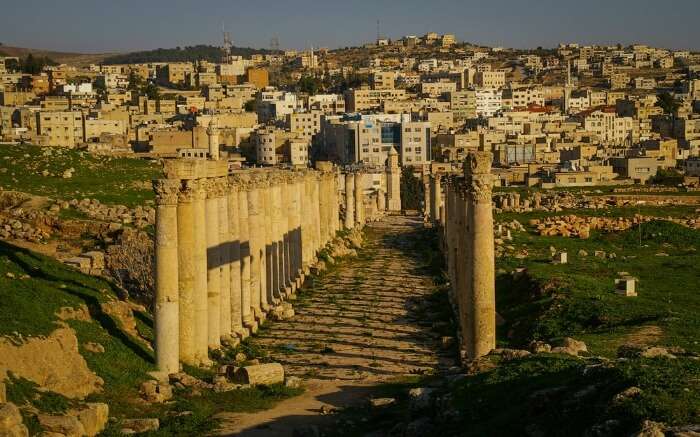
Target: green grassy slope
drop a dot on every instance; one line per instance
(109, 180)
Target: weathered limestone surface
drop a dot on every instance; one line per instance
(167, 286)
(231, 247)
(186, 271)
(465, 220)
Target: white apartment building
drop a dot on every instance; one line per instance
(522, 97)
(611, 129)
(488, 102)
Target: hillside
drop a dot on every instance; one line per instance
(181, 54)
(77, 59)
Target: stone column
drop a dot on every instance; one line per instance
(463, 254)
(269, 244)
(359, 200)
(186, 271)
(213, 263)
(277, 242)
(316, 213)
(296, 251)
(349, 200)
(426, 197)
(286, 190)
(381, 201)
(481, 332)
(166, 276)
(435, 199)
(323, 208)
(256, 227)
(201, 310)
(336, 204)
(244, 195)
(234, 213)
(225, 256)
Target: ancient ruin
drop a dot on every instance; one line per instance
(465, 218)
(234, 246)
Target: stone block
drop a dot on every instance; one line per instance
(626, 286)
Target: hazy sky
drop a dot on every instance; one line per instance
(123, 25)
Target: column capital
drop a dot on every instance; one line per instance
(477, 163)
(480, 188)
(189, 191)
(215, 187)
(166, 191)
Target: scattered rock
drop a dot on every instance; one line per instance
(631, 392)
(260, 374)
(420, 398)
(510, 354)
(570, 347)
(651, 429)
(95, 348)
(69, 426)
(11, 421)
(292, 382)
(382, 402)
(137, 426)
(54, 363)
(156, 391)
(93, 417)
(538, 347)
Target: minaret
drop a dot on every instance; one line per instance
(393, 181)
(213, 134)
(567, 87)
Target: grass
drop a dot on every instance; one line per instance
(565, 396)
(28, 307)
(559, 395)
(577, 299)
(109, 180)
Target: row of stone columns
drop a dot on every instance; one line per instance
(466, 228)
(230, 248)
(357, 213)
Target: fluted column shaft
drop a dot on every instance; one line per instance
(166, 277)
(225, 257)
(268, 278)
(186, 271)
(256, 228)
(349, 200)
(213, 264)
(200, 273)
(359, 199)
(235, 261)
(481, 337)
(246, 249)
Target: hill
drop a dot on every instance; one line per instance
(77, 59)
(181, 54)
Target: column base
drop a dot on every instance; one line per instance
(242, 332)
(252, 327)
(205, 362)
(230, 341)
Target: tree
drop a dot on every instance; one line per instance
(411, 190)
(135, 81)
(249, 105)
(667, 177)
(668, 103)
(309, 85)
(151, 91)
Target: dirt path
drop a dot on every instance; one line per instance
(362, 326)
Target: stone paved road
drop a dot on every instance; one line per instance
(359, 327)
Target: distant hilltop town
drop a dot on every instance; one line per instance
(570, 116)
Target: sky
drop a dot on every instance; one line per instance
(128, 25)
